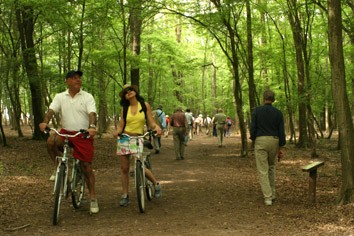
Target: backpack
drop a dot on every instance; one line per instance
(229, 123)
(125, 112)
(157, 118)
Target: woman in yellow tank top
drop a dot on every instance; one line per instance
(133, 125)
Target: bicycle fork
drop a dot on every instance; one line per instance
(64, 187)
(142, 166)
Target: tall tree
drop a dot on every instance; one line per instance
(251, 84)
(135, 20)
(296, 27)
(229, 21)
(341, 101)
(25, 16)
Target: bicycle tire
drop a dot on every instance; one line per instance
(148, 184)
(77, 185)
(139, 184)
(58, 193)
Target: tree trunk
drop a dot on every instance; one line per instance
(176, 74)
(231, 29)
(25, 23)
(296, 30)
(237, 90)
(341, 101)
(151, 75)
(81, 36)
(135, 20)
(251, 84)
(213, 84)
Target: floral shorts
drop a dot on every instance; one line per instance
(127, 146)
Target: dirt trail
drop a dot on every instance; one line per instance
(212, 192)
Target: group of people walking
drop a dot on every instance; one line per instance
(77, 110)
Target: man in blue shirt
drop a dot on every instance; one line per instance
(160, 119)
(268, 135)
(189, 117)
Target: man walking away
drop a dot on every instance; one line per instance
(268, 135)
(220, 121)
(180, 127)
(189, 117)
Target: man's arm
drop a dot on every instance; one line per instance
(93, 118)
(92, 126)
(48, 116)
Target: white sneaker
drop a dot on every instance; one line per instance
(94, 206)
(52, 177)
(268, 202)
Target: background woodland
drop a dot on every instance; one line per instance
(196, 54)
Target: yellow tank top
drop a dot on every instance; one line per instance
(135, 123)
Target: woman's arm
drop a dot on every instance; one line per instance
(120, 125)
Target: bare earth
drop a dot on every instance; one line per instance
(212, 192)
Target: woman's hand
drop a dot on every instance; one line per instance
(158, 130)
(115, 133)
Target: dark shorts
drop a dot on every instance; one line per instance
(83, 147)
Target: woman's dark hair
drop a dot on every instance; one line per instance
(125, 103)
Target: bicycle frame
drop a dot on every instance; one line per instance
(139, 162)
(61, 183)
(64, 159)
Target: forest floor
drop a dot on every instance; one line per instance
(212, 192)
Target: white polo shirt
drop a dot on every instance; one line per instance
(74, 111)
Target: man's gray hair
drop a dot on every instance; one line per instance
(269, 95)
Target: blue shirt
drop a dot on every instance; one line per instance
(162, 117)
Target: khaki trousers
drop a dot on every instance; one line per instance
(220, 132)
(179, 141)
(266, 149)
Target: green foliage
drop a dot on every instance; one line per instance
(98, 26)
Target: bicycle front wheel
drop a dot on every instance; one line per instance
(77, 185)
(139, 184)
(58, 193)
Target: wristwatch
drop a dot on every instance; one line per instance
(92, 126)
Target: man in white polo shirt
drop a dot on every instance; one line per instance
(77, 110)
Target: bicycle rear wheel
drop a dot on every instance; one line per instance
(139, 184)
(148, 184)
(77, 185)
(58, 193)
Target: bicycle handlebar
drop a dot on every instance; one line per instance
(82, 131)
(149, 132)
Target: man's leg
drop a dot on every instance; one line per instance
(186, 138)
(176, 142)
(261, 155)
(54, 145)
(181, 143)
(90, 180)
